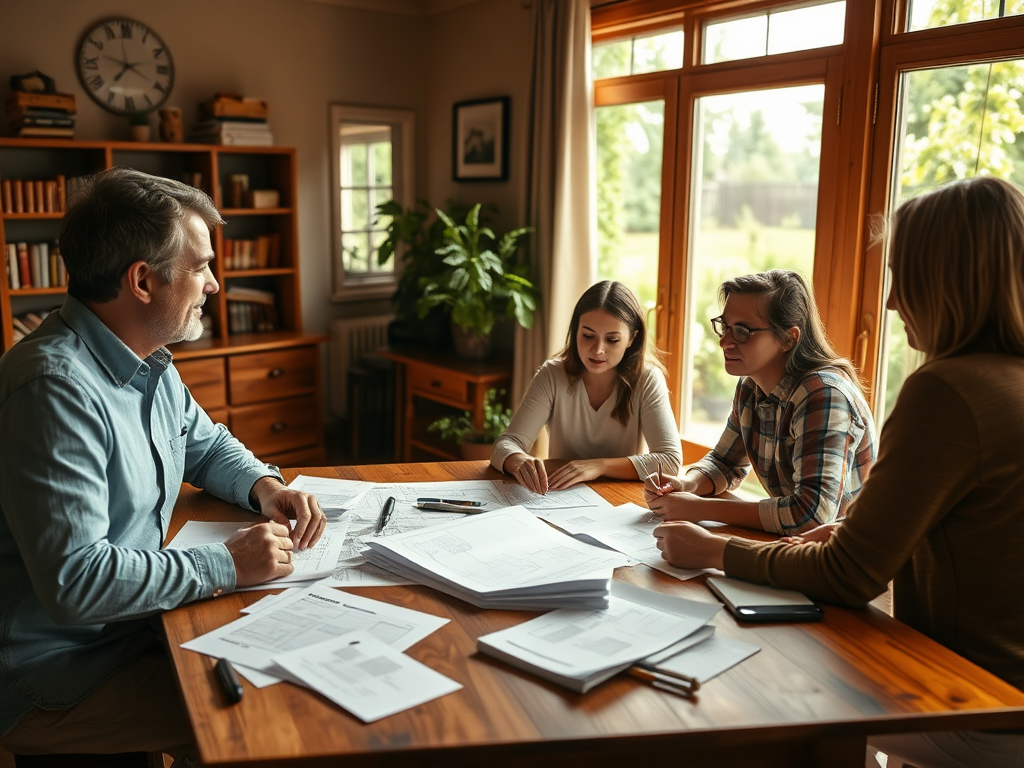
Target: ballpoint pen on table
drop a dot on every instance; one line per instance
(228, 680)
(666, 681)
(455, 502)
(385, 514)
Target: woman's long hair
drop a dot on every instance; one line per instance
(621, 303)
(789, 303)
(957, 259)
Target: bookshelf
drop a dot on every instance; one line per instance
(257, 372)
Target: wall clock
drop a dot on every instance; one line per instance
(125, 67)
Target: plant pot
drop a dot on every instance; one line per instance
(471, 344)
(140, 132)
(475, 451)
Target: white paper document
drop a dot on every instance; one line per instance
(579, 649)
(577, 497)
(506, 558)
(628, 528)
(709, 658)
(310, 616)
(333, 494)
(365, 676)
(310, 564)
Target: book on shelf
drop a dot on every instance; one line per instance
(25, 323)
(39, 113)
(44, 132)
(31, 121)
(262, 252)
(232, 132)
(229, 105)
(34, 265)
(33, 195)
(62, 101)
(251, 310)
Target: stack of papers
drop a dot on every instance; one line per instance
(503, 559)
(579, 649)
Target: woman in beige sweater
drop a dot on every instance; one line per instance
(942, 513)
(603, 399)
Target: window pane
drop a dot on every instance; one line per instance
(735, 39)
(925, 14)
(382, 164)
(657, 53)
(355, 209)
(754, 209)
(356, 249)
(955, 123)
(357, 165)
(791, 30)
(776, 31)
(629, 153)
(611, 59)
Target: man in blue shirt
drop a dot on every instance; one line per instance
(98, 434)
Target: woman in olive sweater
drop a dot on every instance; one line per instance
(942, 513)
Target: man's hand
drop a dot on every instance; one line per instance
(575, 471)
(686, 545)
(261, 552)
(528, 472)
(281, 504)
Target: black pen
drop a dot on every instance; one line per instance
(454, 502)
(385, 514)
(228, 680)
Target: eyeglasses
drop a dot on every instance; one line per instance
(740, 333)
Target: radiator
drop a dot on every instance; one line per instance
(350, 340)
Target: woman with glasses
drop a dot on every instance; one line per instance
(799, 418)
(941, 515)
(602, 398)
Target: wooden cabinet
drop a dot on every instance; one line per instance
(263, 384)
(428, 381)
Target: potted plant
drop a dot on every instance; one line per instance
(480, 279)
(413, 236)
(475, 444)
(138, 124)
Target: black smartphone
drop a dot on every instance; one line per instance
(760, 603)
(777, 612)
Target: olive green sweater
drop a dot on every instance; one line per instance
(941, 516)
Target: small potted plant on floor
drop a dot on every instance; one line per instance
(475, 444)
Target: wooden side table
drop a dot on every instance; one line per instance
(439, 378)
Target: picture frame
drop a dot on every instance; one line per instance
(480, 139)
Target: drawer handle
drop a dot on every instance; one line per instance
(275, 373)
(435, 384)
(278, 426)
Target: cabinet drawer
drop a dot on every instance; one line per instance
(277, 427)
(270, 375)
(206, 381)
(439, 382)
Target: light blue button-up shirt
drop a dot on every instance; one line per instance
(94, 445)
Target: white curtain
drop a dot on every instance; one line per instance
(560, 187)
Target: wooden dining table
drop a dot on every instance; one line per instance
(810, 697)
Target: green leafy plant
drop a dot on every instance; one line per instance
(495, 422)
(480, 276)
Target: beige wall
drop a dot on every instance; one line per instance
(301, 56)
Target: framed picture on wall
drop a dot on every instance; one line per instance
(480, 140)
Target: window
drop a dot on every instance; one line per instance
(926, 14)
(372, 151)
(636, 55)
(775, 31)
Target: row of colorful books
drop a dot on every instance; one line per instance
(42, 115)
(28, 322)
(35, 265)
(263, 252)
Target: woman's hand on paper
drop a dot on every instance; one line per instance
(528, 471)
(679, 505)
(575, 472)
(686, 545)
(261, 552)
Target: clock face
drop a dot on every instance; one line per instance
(125, 67)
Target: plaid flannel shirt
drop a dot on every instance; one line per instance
(811, 443)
